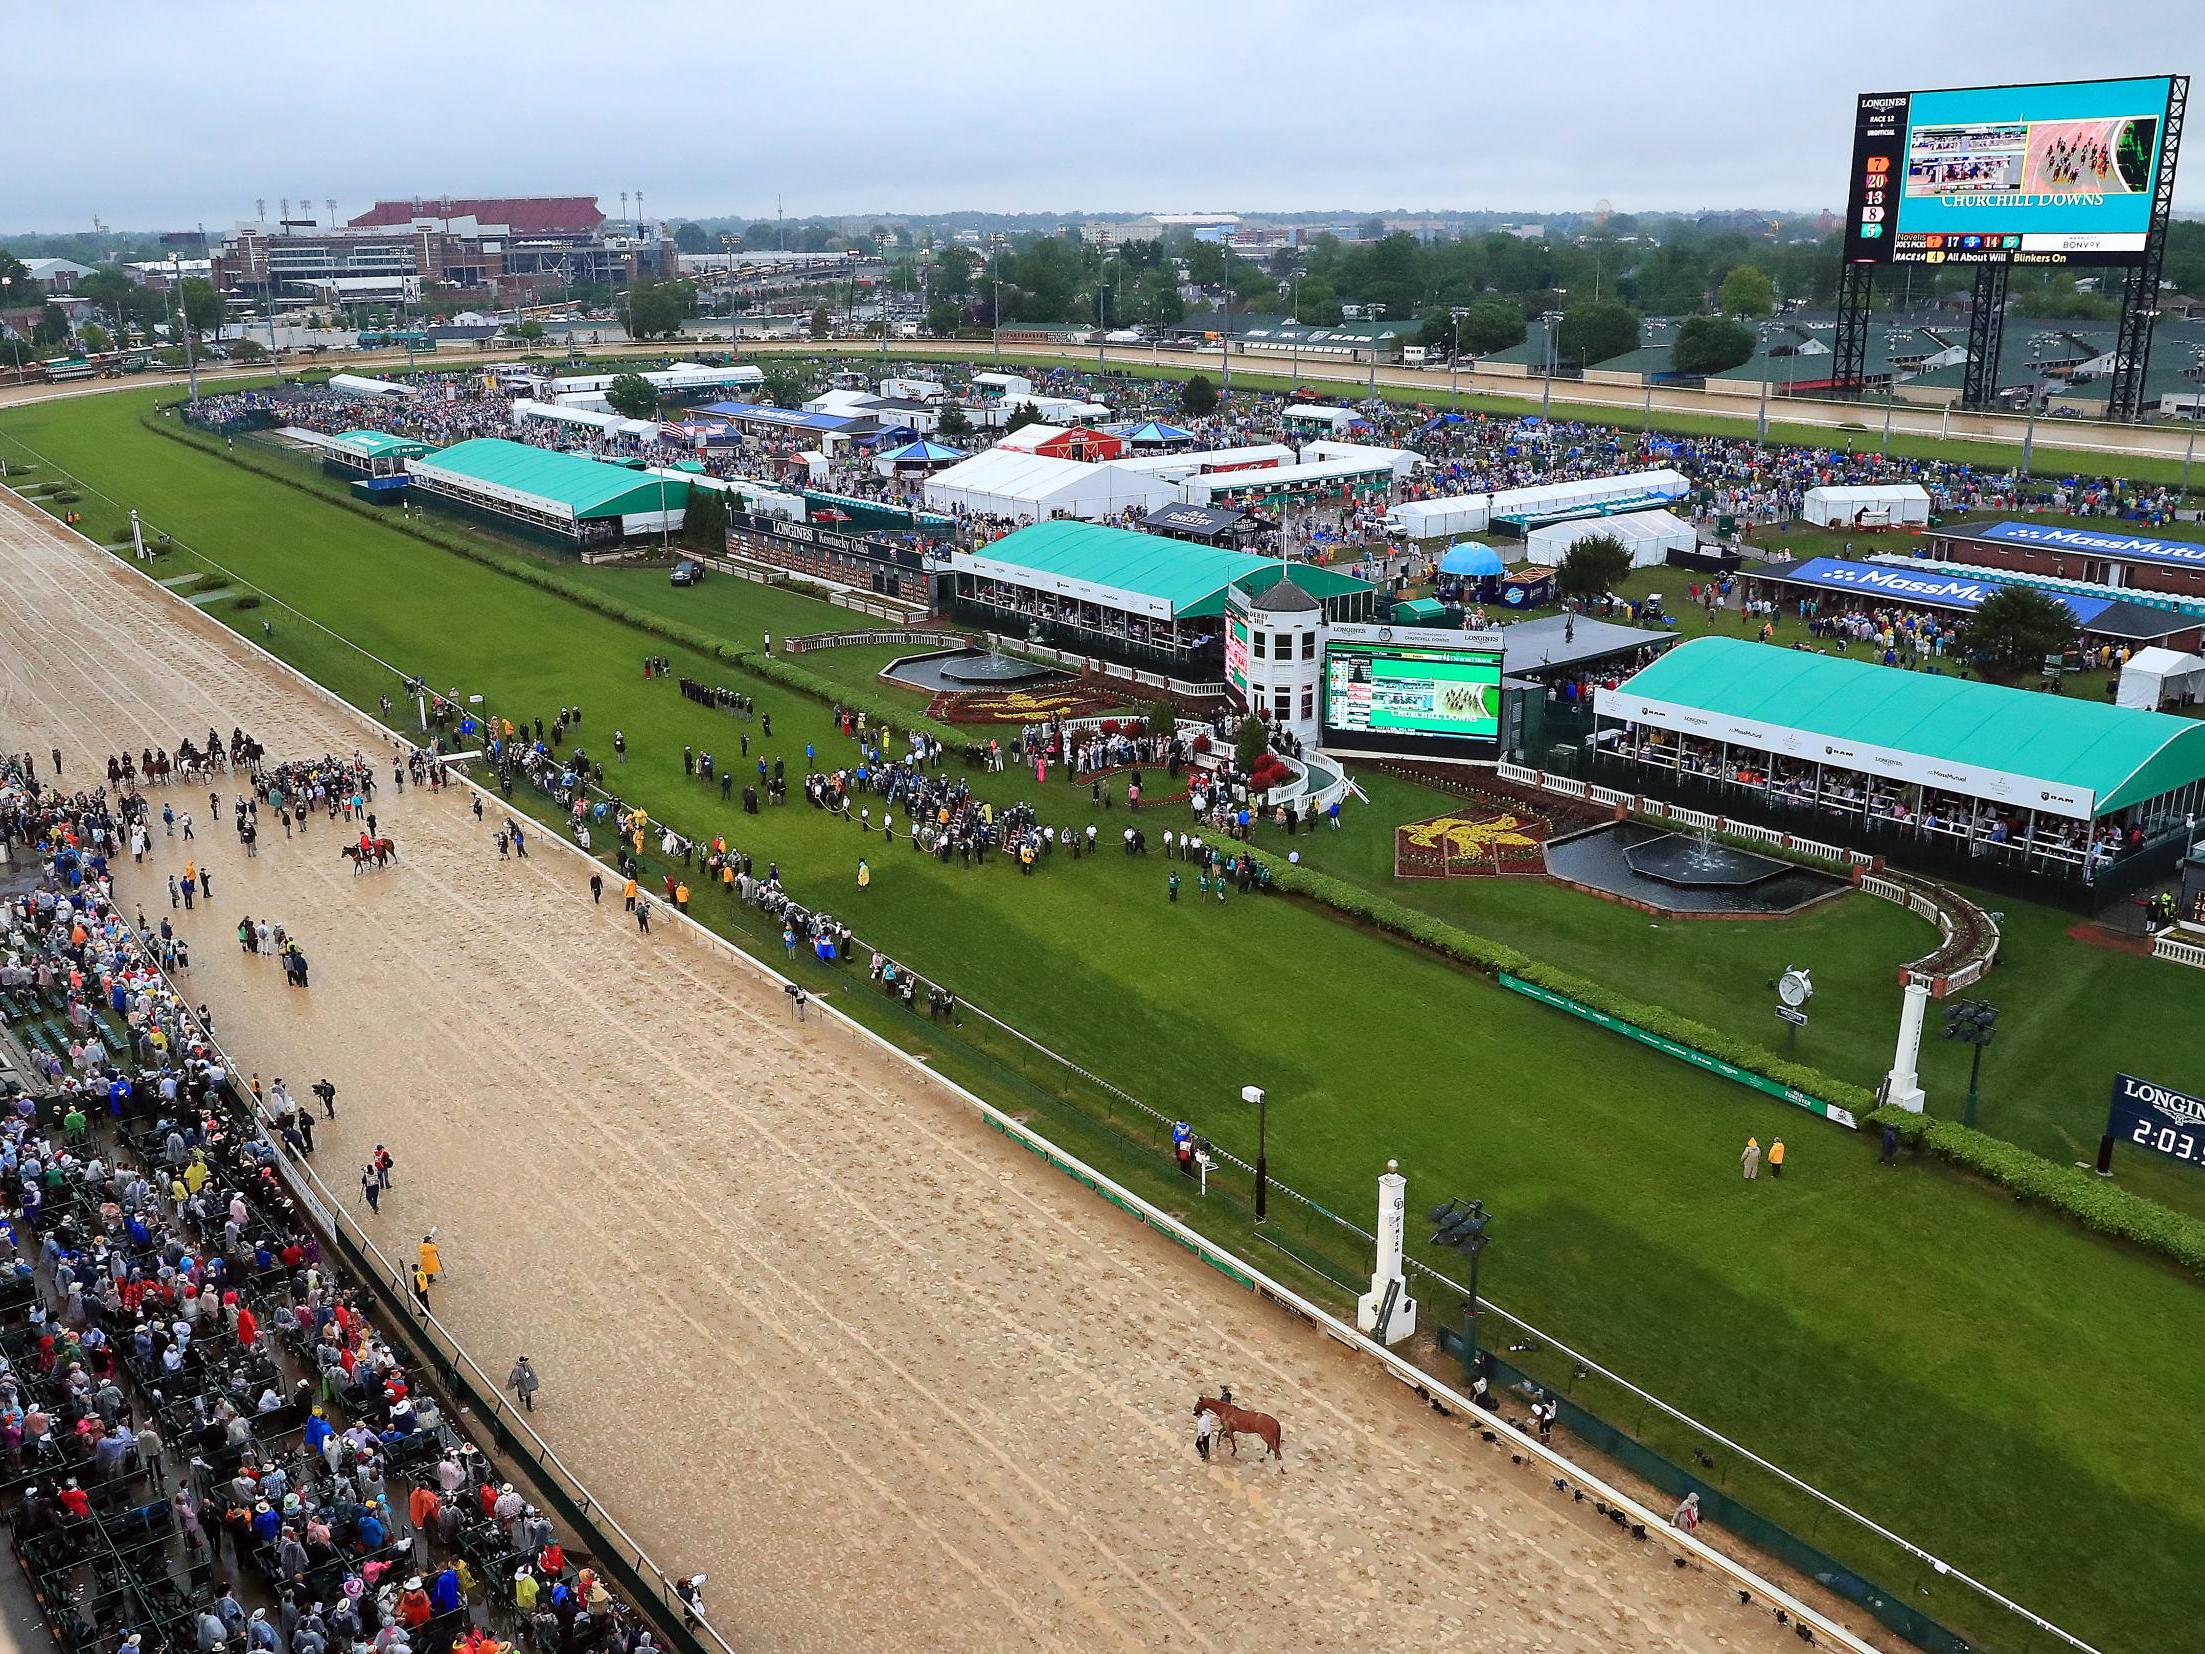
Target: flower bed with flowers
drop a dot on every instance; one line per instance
(1020, 706)
(1504, 840)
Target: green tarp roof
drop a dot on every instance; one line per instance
(561, 482)
(1192, 579)
(379, 444)
(2121, 755)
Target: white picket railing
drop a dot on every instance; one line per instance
(1609, 795)
(1755, 831)
(1822, 852)
(2182, 953)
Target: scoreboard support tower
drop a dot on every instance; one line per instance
(1849, 373)
(1986, 336)
(2140, 297)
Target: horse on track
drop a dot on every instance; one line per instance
(383, 853)
(1234, 1422)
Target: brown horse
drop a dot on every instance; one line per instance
(1234, 1422)
(384, 853)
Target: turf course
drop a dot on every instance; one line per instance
(1859, 1324)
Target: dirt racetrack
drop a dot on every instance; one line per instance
(801, 1322)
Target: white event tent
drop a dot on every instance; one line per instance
(1649, 536)
(2155, 678)
(1031, 487)
(1882, 505)
(1403, 460)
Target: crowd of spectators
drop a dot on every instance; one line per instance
(207, 1443)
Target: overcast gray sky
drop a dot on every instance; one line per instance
(179, 115)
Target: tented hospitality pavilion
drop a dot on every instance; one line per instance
(2060, 781)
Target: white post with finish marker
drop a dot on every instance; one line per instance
(137, 534)
(1903, 1084)
(1387, 1312)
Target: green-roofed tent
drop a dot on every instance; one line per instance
(542, 489)
(2075, 758)
(373, 445)
(1144, 574)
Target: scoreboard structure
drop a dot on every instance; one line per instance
(2068, 174)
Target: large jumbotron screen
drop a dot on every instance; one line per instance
(1405, 693)
(2062, 174)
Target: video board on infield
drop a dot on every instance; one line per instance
(1412, 690)
(2063, 174)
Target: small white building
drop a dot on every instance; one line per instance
(1274, 651)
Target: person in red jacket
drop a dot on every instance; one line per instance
(414, 1610)
(551, 1561)
(75, 1500)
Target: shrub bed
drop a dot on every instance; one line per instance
(2071, 1190)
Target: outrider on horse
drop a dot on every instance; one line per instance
(378, 852)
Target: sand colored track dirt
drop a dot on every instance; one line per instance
(801, 1321)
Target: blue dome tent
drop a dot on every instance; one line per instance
(1472, 559)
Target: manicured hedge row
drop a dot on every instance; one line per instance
(2080, 1194)
(1484, 954)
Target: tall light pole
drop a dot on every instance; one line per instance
(1225, 346)
(268, 305)
(1454, 359)
(1100, 323)
(183, 323)
(1294, 328)
(1549, 321)
(1255, 1094)
(1461, 1225)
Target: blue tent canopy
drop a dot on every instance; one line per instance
(1473, 558)
(923, 452)
(1155, 433)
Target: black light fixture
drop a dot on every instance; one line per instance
(1461, 1226)
(1973, 1022)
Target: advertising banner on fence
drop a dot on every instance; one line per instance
(2158, 1118)
(1683, 1053)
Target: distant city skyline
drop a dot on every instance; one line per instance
(1232, 107)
